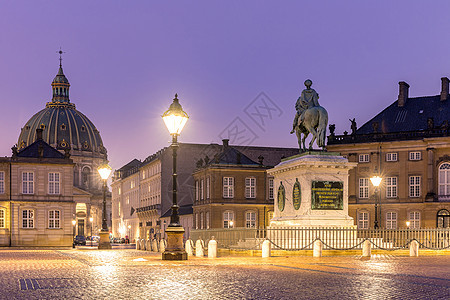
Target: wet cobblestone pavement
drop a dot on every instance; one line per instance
(132, 274)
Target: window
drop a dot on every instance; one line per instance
(27, 218)
(414, 186)
(363, 158)
(208, 187)
(444, 181)
(250, 219)
(201, 221)
(202, 184)
(53, 219)
(53, 183)
(228, 219)
(415, 155)
(132, 184)
(363, 220)
(391, 156)
(197, 192)
(2, 218)
(443, 219)
(391, 220)
(143, 174)
(228, 187)
(271, 188)
(27, 183)
(207, 219)
(250, 187)
(364, 188)
(2, 182)
(391, 187)
(196, 221)
(414, 219)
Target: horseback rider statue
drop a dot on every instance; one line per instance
(310, 118)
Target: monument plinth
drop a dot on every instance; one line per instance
(312, 191)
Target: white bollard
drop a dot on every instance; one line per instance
(188, 247)
(212, 248)
(317, 250)
(148, 245)
(154, 245)
(162, 246)
(142, 244)
(138, 245)
(199, 248)
(266, 249)
(367, 249)
(414, 248)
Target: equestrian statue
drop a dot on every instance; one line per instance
(310, 118)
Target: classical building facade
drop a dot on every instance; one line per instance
(153, 184)
(67, 129)
(408, 145)
(37, 197)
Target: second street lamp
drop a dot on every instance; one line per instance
(175, 119)
(376, 180)
(91, 219)
(104, 171)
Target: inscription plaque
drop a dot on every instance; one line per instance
(328, 195)
(281, 197)
(296, 195)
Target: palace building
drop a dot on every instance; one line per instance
(408, 145)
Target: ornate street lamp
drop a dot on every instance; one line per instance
(175, 119)
(104, 171)
(73, 225)
(376, 180)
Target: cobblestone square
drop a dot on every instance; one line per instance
(132, 274)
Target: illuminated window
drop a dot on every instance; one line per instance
(27, 183)
(202, 183)
(207, 219)
(391, 187)
(364, 188)
(271, 188)
(391, 156)
(414, 219)
(250, 187)
(27, 218)
(228, 219)
(228, 187)
(53, 219)
(197, 191)
(391, 220)
(363, 158)
(363, 220)
(208, 187)
(250, 219)
(53, 183)
(2, 218)
(444, 181)
(414, 186)
(416, 155)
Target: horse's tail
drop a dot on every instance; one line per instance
(322, 128)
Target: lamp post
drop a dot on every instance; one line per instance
(91, 219)
(175, 119)
(129, 233)
(376, 180)
(104, 171)
(74, 222)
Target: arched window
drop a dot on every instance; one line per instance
(444, 181)
(443, 219)
(86, 177)
(228, 219)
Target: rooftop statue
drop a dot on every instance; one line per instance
(310, 118)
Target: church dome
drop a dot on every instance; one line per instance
(63, 125)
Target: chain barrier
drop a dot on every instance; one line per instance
(431, 248)
(295, 249)
(350, 248)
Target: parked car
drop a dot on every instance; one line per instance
(79, 240)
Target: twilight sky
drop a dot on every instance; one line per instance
(227, 60)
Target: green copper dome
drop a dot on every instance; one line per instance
(64, 126)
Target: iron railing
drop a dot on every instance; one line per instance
(302, 238)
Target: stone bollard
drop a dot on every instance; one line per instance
(189, 248)
(266, 249)
(212, 248)
(138, 244)
(162, 246)
(414, 248)
(317, 248)
(149, 245)
(199, 248)
(367, 248)
(142, 244)
(154, 245)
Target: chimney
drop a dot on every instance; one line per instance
(39, 134)
(403, 89)
(225, 143)
(444, 89)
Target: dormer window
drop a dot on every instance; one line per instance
(83, 129)
(63, 127)
(42, 126)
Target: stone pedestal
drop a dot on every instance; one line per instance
(104, 240)
(175, 247)
(311, 190)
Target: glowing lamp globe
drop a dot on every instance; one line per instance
(74, 222)
(175, 118)
(376, 180)
(104, 171)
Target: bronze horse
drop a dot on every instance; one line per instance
(315, 121)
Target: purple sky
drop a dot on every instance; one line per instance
(125, 60)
